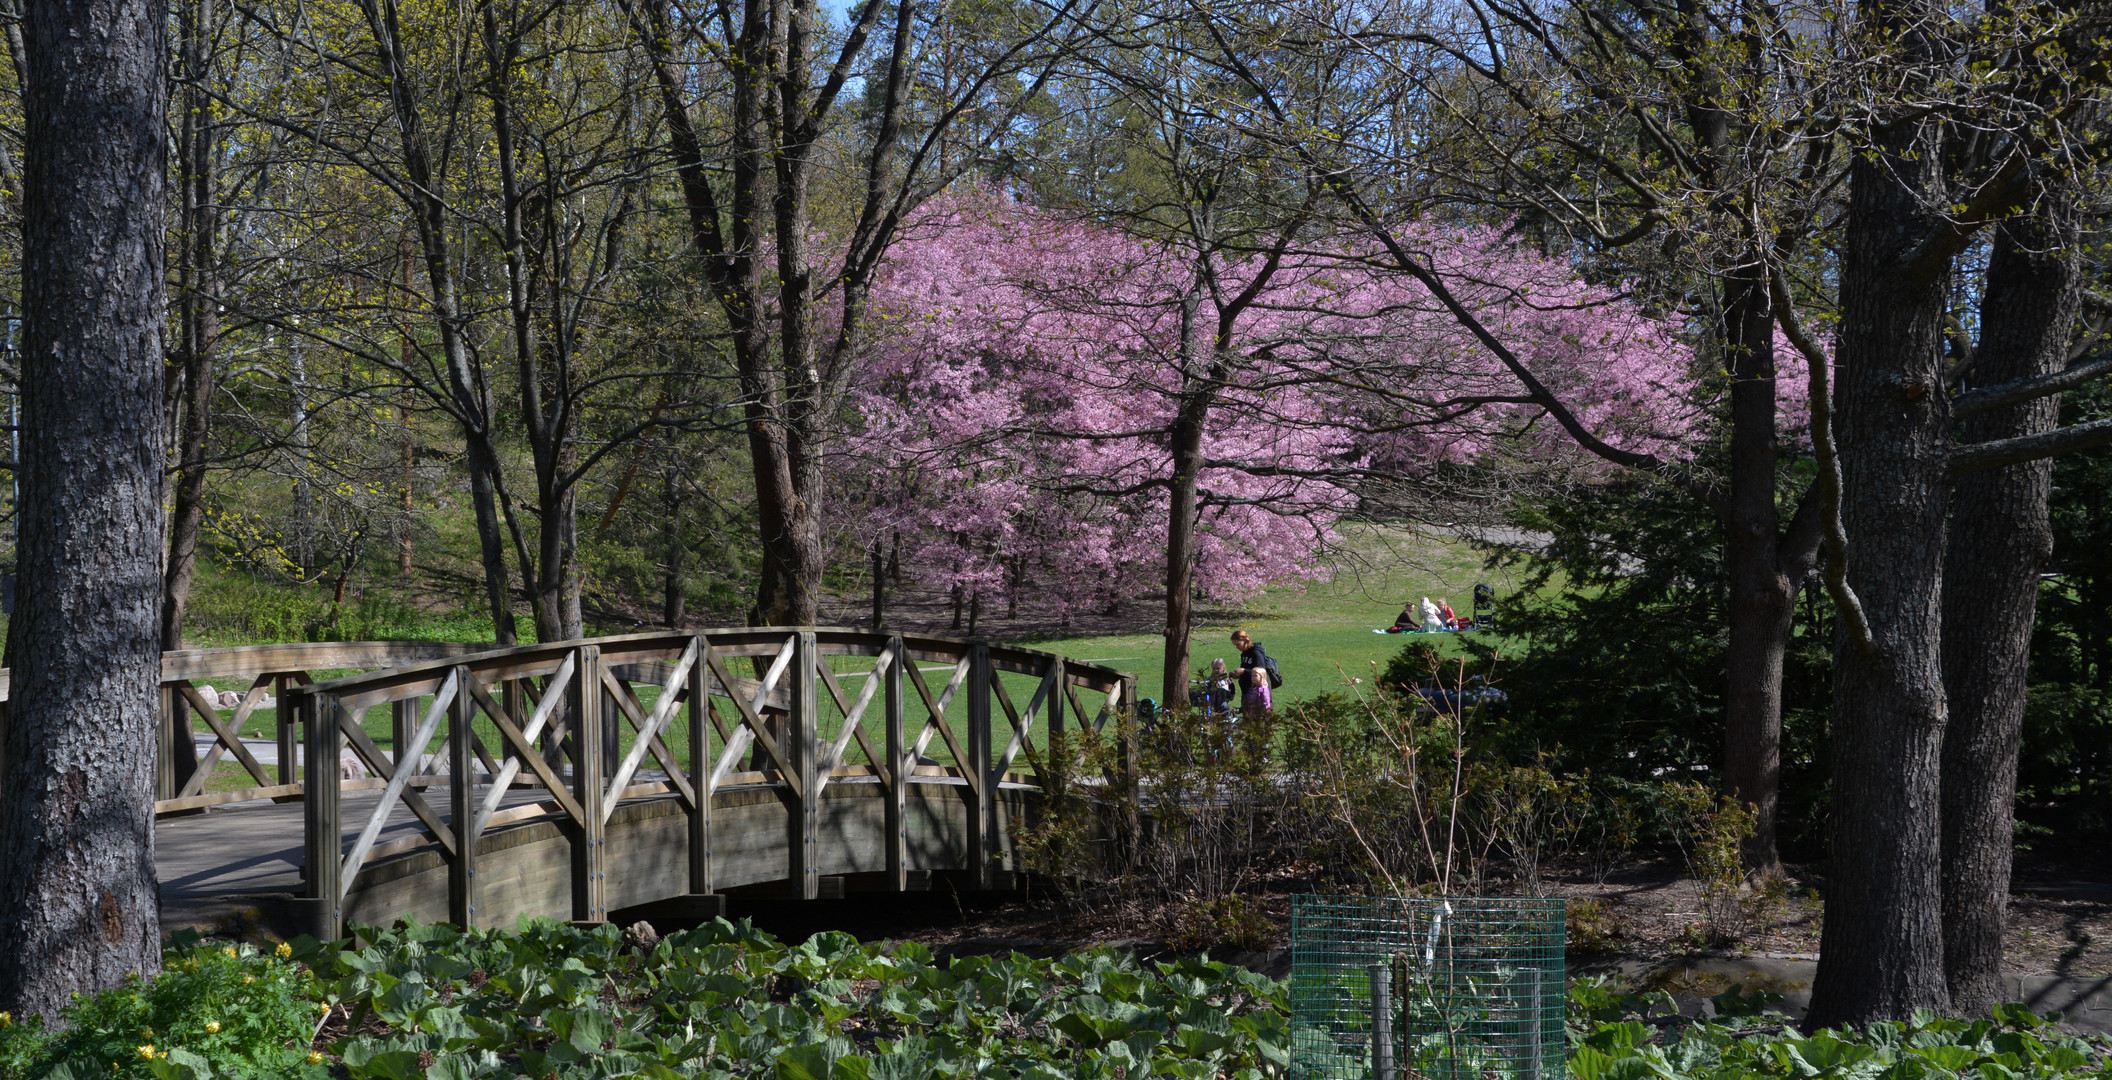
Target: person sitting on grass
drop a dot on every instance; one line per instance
(1432, 620)
(1406, 621)
(1444, 610)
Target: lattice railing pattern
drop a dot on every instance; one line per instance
(582, 727)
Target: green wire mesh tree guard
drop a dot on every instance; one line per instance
(1473, 988)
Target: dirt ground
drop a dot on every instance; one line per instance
(2060, 919)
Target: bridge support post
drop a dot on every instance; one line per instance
(286, 730)
(804, 744)
(179, 758)
(900, 767)
(462, 803)
(589, 855)
(700, 770)
(1052, 785)
(402, 716)
(321, 807)
(982, 816)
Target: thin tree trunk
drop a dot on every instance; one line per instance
(548, 600)
(200, 322)
(1882, 947)
(1759, 604)
(572, 614)
(2000, 539)
(879, 587)
(303, 494)
(410, 442)
(1180, 555)
(483, 466)
(77, 884)
(673, 551)
(466, 397)
(410, 477)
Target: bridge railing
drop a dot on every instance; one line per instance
(591, 725)
(184, 778)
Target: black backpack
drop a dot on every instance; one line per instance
(1268, 664)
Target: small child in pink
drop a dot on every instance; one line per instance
(1254, 692)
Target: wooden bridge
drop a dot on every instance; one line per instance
(474, 785)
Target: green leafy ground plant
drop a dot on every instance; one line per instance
(553, 1000)
(215, 1011)
(1640, 1037)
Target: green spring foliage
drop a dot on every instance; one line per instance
(1614, 1036)
(216, 1010)
(554, 1000)
(728, 1000)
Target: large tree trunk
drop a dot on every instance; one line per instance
(1999, 541)
(79, 907)
(1761, 596)
(199, 308)
(1882, 947)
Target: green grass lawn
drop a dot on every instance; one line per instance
(1320, 633)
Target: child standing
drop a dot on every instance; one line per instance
(1254, 695)
(1218, 686)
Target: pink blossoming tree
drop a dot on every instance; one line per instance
(1052, 404)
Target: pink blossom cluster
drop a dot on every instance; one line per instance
(1025, 370)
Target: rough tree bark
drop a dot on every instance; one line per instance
(1764, 565)
(1882, 947)
(79, 908)
(1999, 541)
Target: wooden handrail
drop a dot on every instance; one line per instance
(583, 715)
(191, 665)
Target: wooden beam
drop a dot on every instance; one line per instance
(228, 739)
(286, 721)
(323, 826)
(752, 722)
(700, 760)
(899, 769)
(803, 830)
(937, 708)
(378, 763)
(853, 712)
(649, 728)
(589, 851)
(220, 798)
(982, 816)
(398, 788)
(522, 745)
(462, 802)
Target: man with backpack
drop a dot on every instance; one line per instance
(1257, 674)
